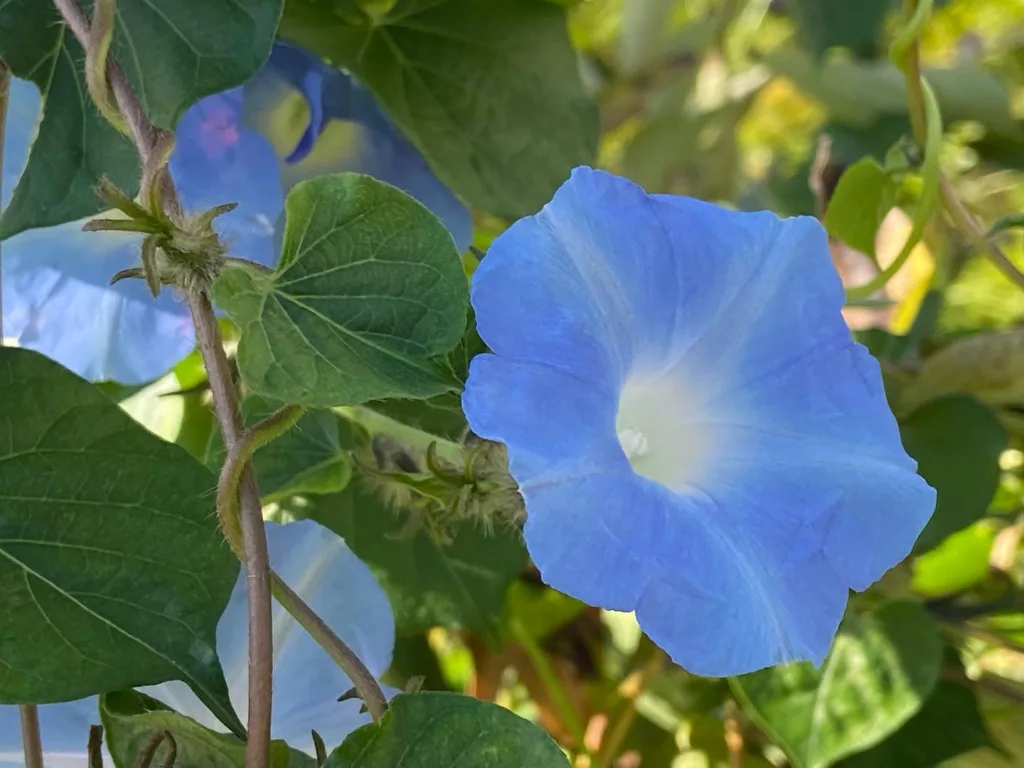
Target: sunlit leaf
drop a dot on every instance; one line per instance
(948, 725)
(860, 203)
(989, 366)
(427, 730)
(880, 671)
(958, 563)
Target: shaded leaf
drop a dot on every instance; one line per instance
(881, 669)
(824, 24)
(130, 719)
(368, 292)
(429, 584)
(956, 442)
(426, 730)
(488, 92)
(111, 560)
(173, 55)
(989, 366)
(948, 725)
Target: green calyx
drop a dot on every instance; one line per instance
(183, 252)
(439, 493)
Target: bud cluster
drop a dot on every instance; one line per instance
(440, 492)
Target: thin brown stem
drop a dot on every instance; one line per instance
(733, 735)
(152, 147)
(31, 739)
(365, 684)
(140, 129)
(254, 535)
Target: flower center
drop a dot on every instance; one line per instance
(661, 431)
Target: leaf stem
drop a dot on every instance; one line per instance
(231, 476)
(31, 739)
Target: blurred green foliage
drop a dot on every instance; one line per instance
(791, 105)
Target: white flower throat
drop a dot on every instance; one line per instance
(663, 431)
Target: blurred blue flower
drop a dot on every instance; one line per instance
(695, 434)
(307, 683)
(232, 147)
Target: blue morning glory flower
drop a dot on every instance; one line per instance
(56, 296)
(307, 683)
(695, 434)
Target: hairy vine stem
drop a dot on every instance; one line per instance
(151, 145)
(238, 502)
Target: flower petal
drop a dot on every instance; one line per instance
(57, 298)
(318, 565)
(767, 475)
(71, 315)
(23, 113)
(579, 422)
(217, 160)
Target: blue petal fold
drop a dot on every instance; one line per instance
(318, 565)
(235, 146)
(696, 435)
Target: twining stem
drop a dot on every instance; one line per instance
(31, 740)
(152, 146)
(232, 473)
(235, 464)
(365, 684)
